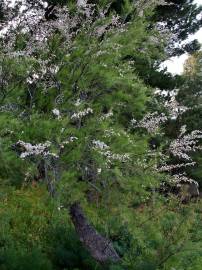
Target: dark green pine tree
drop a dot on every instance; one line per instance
(71, 89)
(181, 18)
(190, 95)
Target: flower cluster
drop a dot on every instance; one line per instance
(78, 102)
(56, 112)
(97, 144)
(171, 167)
(106, 116)
(70, 140)
(182, 146)
(9, 107)
(105, 151)
(171, 104)
(30, 21)
(174, 108)
(114, 23)
(150, 122)
(81, 114)
(27, 149)
(116, 157)
(45, 75)
(180, 179)
(110, 133)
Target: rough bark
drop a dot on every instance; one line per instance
(100, 248)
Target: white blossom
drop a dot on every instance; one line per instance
(81, 3)
(81, 114)
(170, 167)
(110, 133)
(170, 102)
(35, 150)
(106, 116)
(56, 112)
(183, 130)
(116, 157)
(78, 102)
(60, 207)
(105, 151)
(97, 144)
(150, 122)
(182, 146)
(9, 108)
(99, 170)
(174, 108)
(69, 140)
(180, 179)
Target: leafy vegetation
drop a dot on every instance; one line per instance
(94, 151)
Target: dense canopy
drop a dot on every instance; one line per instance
(100, 149)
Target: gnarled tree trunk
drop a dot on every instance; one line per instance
(100, 248)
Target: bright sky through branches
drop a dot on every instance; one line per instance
(175, 64)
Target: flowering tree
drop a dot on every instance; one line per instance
(74, 113)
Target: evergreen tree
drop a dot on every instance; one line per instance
(181, 18)
(76, 119)
(190, 96)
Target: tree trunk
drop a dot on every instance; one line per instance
(100, 248)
